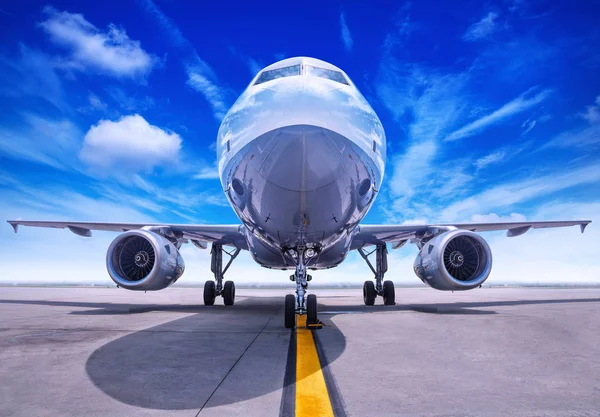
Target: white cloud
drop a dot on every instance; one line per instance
(592, 113)
(202, 79)
(110, 52)
(345, 33)
(518, 105)
(130, 143)
(482, 29)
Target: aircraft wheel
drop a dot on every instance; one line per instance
(369, 293)
(209, 293)
(290, 311)
(311, 309)
(389, 293)
(229, 293)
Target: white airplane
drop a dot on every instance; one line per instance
(301, 160)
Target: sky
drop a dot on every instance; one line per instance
(109, 112)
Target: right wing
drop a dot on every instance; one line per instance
(225, 234)
(374, 234)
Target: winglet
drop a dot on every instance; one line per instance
(584, 225)
(14, 225)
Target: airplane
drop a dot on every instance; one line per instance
(301, 160)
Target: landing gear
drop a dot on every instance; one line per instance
(214, 288)
(300, 303)
(384, 289)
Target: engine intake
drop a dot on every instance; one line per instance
(144, 261)
(454, 260)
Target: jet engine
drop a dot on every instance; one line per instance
(142, 260)
(454, 260)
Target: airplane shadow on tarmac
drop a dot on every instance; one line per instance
(179, 364)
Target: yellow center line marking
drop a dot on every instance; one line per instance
(312, 398)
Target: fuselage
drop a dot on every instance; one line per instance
(301, 159)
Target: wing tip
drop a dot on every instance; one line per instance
(14, 224)
(584, 224)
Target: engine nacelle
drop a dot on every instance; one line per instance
(454, 260)
(144, 261)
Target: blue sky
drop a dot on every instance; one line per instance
(110, 113)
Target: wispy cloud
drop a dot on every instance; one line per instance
(518, 105)
(427, 103)
(592, 113)
(481, 29)
(166, 23)
(582, 136)
(346, 36)
(252, 64)
(200, 75)
(500, 155)
(516, 192)
(201, 78)
(129, 144)
(109, 52)
(41, 140)
(528, 125)
(208, 173)
(31, 74)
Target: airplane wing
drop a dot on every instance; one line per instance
(226, 234)
(373, 234)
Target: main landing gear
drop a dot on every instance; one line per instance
(381, 287)
(300, 303)
(214, 288)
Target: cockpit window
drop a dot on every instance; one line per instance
(278, 73)
(326, 73)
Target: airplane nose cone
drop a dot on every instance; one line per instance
(302, 158)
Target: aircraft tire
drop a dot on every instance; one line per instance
(389, 293)
(229, 293)
(311, 309)
(369, 293)
(209, 293)
(290, 311)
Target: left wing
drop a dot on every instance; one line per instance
(225, 234)
(374, 234)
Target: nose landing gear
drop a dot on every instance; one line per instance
(300, 303)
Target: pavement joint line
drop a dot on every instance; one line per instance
(236, 362)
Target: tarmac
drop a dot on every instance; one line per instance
(486, 352)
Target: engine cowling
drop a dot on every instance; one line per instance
(454, 260)
(144, 261)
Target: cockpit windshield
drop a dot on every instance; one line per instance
(333, 75)
(326, 73)
(278, 73)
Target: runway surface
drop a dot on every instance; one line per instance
(486, 352)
